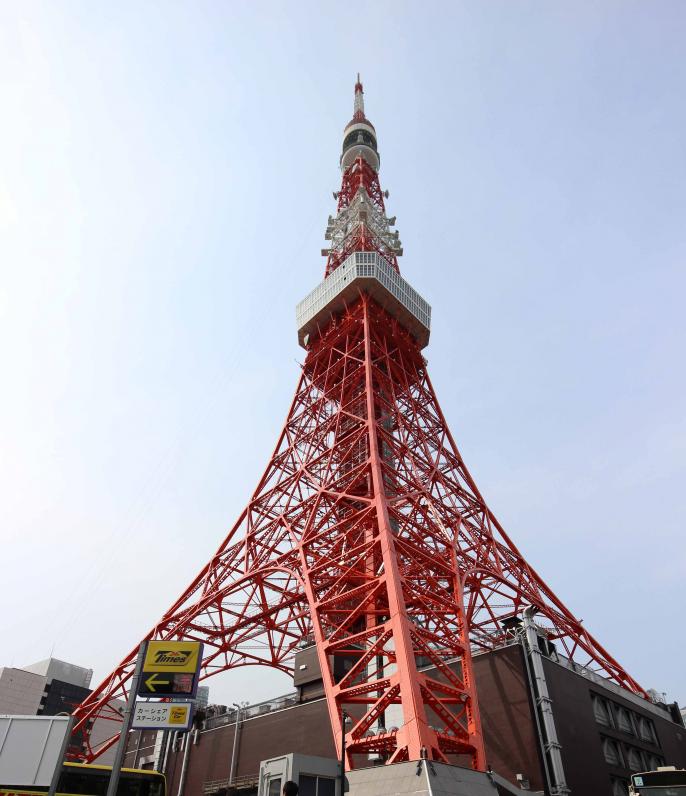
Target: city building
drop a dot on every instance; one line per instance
(202, 697)
(66, 685)
(45, 688)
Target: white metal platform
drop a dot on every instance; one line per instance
(369, 272)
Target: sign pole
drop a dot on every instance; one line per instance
(128, 713)
(163, 751)
(60, 760)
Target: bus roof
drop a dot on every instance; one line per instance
(109, 768)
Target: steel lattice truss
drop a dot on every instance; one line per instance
(360, 535)
(368, 537)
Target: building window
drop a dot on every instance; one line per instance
(634, 759)
(316, 786)
(611, 714)
(601, 711)
(612, 752)
(620, 787)
(654, 762)
(646, 730)
(275, 786)
(326, 786)
(624, 722)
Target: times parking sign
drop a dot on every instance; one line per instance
(171, 669)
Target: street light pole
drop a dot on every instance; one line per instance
(236, 731)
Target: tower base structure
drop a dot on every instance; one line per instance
(425, 778)
(411, 778)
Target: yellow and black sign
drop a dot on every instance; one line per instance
(178, 714)
(170, 668)
(172, 656)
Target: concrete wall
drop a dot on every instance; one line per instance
(303, 728)
(507, 717)
(20, 692)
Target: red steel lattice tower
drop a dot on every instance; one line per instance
(366, 535)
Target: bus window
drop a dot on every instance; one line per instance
(666, 781)
(94, 782)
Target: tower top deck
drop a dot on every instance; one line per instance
(364, 249)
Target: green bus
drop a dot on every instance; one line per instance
(665, 781)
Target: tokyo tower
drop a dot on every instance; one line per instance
(366, 535)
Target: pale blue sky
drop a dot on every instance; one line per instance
(165, 177)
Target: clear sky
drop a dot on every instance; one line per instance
(166, 172)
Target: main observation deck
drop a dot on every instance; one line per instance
(371, 273)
